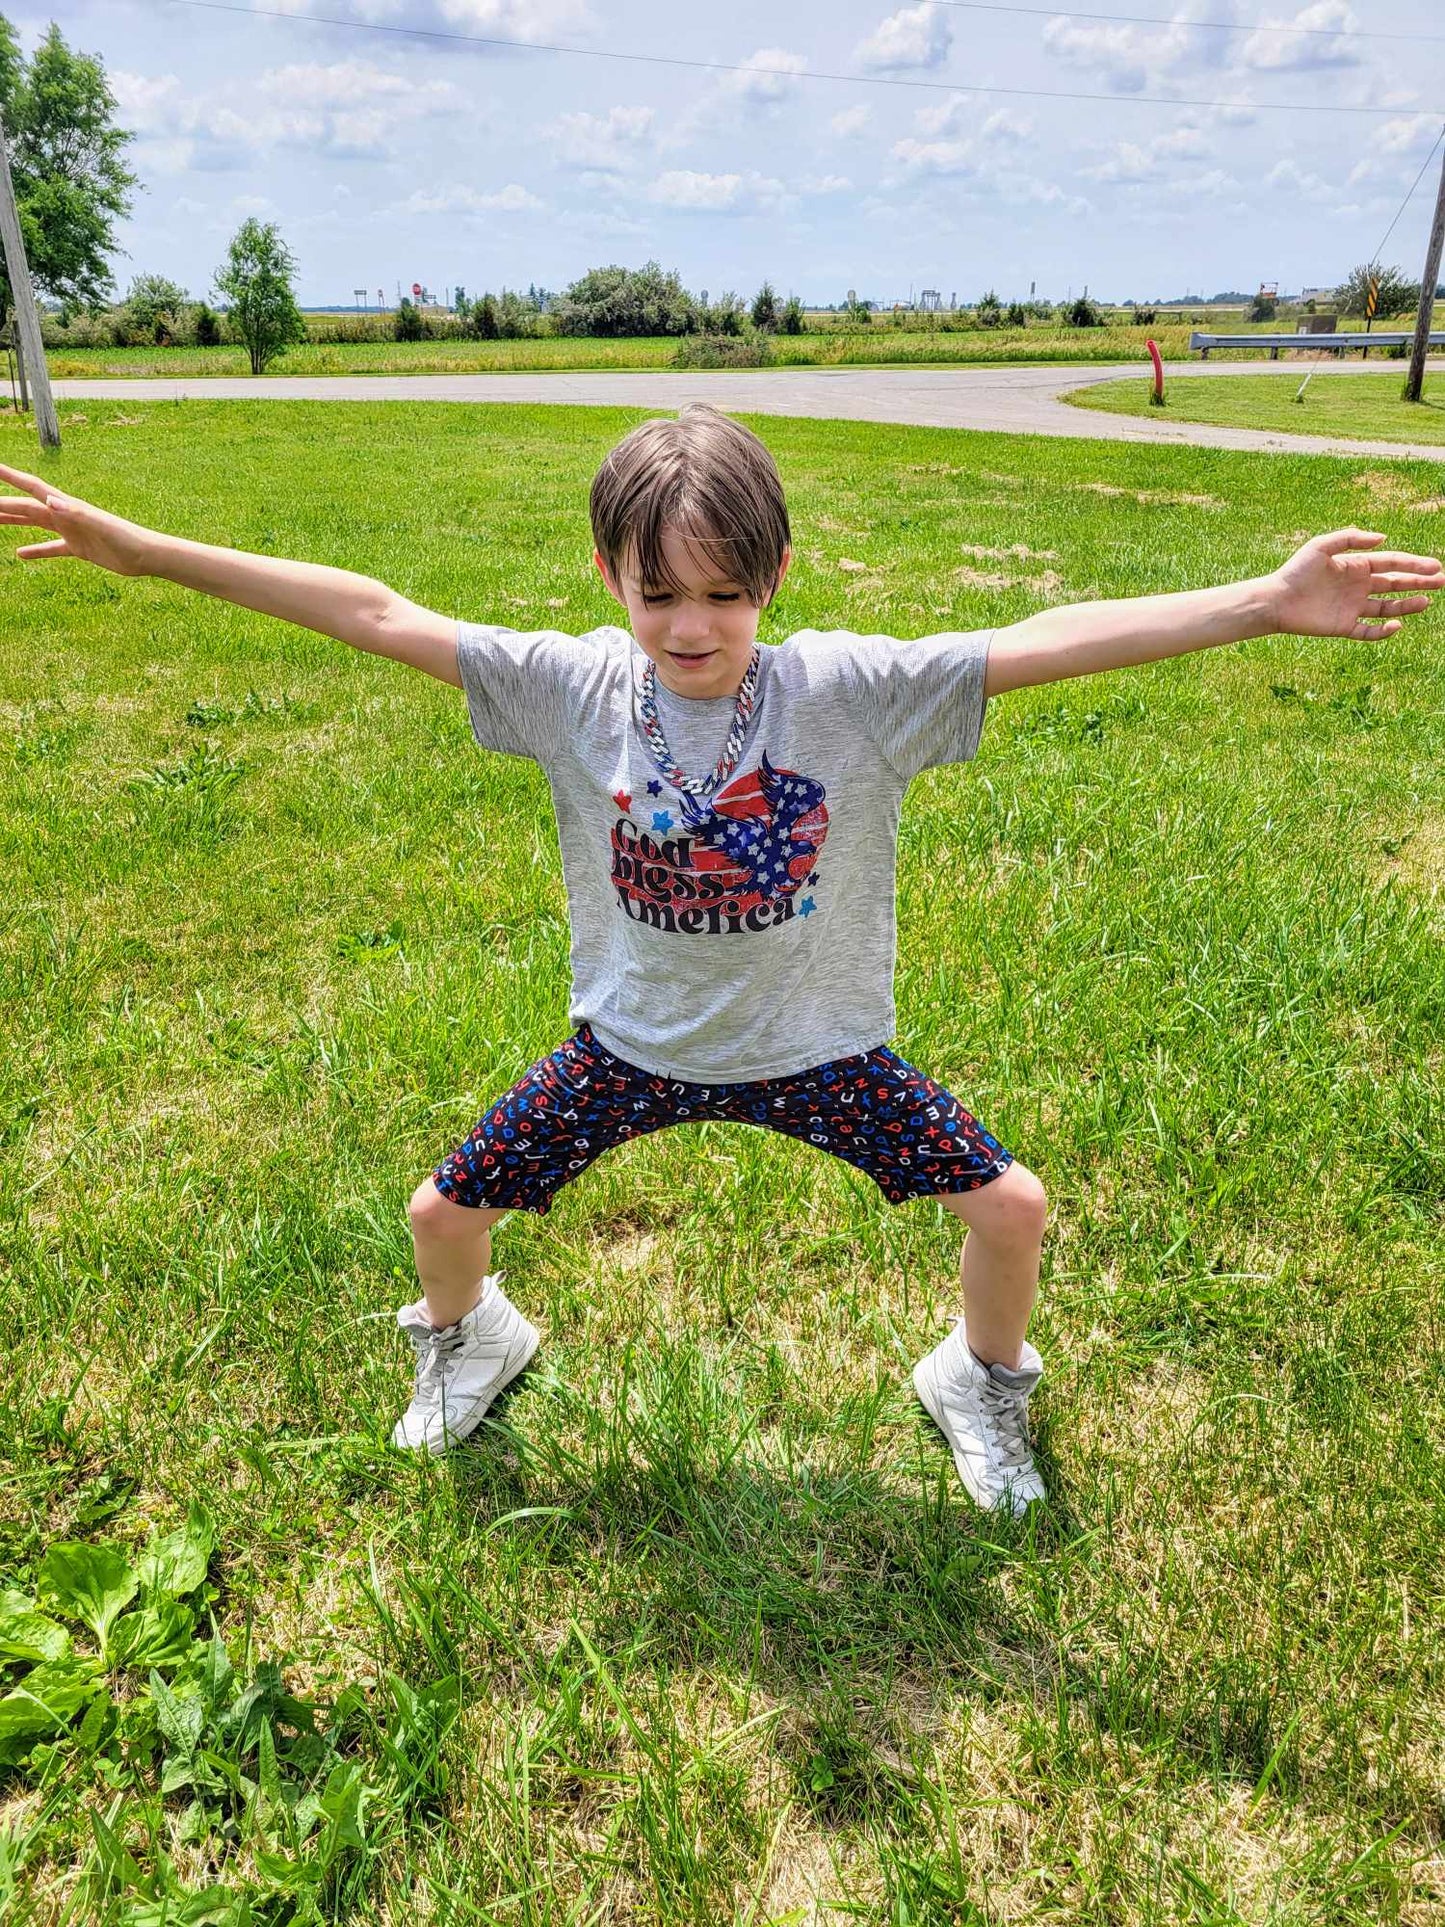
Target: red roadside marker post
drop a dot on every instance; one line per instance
(1157, 398)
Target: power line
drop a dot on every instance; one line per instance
(1406, 202)
(738, 67)
(1202, 26)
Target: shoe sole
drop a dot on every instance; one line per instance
(460, 1433)
(925, 1385)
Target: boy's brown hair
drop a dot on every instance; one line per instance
(705, 477)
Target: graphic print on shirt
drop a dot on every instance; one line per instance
(745, 860)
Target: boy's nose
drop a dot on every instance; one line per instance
(691, 625)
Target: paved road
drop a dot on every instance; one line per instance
(1014, 400)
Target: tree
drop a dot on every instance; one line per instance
(1397, 294)
(1262, 307)
(765, 307)
(66, 156)
(208, 328)
(626, 301)
(1082, 313)
(792, 322)
(256, 281)
(154, 306)
(408, 325)
(486, 320)
(989, 312)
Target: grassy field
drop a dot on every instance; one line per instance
(701, 1628)
(1365, 405)
(879, 345)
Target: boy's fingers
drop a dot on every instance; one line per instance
(1412, 579)
(15, 510)
(1338, 540)
(37, 551)
(1397, 559)
(1399, 605)
(32, 484)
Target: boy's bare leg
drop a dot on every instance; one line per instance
(1005, 1222)
(453, 1248)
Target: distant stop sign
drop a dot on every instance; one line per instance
(416, 291)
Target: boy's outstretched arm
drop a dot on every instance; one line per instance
(335, 602)
(1337, 585)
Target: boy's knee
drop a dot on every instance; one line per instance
(1013, 1209)
(434, 1214)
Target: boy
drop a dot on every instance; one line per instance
(728, 821)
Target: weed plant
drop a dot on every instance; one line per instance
(701, 1628)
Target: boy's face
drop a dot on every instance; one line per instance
(701, 639)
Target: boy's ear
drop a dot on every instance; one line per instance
(600, 563)
(783, 567)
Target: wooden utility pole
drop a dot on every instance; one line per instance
(1415, 379)
(27, 318)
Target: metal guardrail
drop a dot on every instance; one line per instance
(1314, 343)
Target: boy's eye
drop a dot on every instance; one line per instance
(655, 601)
(726, 595)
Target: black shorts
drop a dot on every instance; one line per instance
(912, 1137)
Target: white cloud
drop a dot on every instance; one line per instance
(520, 20)
(511, 199)
(148, 104)
(1131, 59)
(963, 116)
(1151, 160)
(913, 37)
(608, 143)
(937, 157)
(351, 109)
(713, 193)
(971, 152)
(826, 184)
(1289, 177)
(767, 76)
(1270, 49)
(1409, 134)
(851, 121)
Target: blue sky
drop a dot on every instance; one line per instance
(386, 159)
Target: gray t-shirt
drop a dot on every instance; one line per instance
(751, 936)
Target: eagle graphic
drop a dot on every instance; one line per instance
(764, 848)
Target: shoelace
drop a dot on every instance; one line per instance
(1006, 1416)
(435, 1351)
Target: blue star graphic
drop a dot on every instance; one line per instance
(806, 907)
(654, 789)
(662, 819)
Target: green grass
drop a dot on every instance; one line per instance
(723, 1640)
(1365, 405)
(879, 345)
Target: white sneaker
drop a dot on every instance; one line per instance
(461, 1368)
(983, 1412)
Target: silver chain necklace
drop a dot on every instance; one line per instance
(732, 749)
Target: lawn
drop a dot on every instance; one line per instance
(1365, 405)
(701, 1628)
(879, 345)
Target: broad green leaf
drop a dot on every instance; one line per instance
(267, 1777)
(175, 1563)
(96, 1727)
(26, 1633)
(341, 1804)
(45, 1702)
(90, 1583)
(180, 1719)
(160, 1635)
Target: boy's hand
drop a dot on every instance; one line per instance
(83, 530)
(1334, 587)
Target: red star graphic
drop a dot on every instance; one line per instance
(622, 800)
